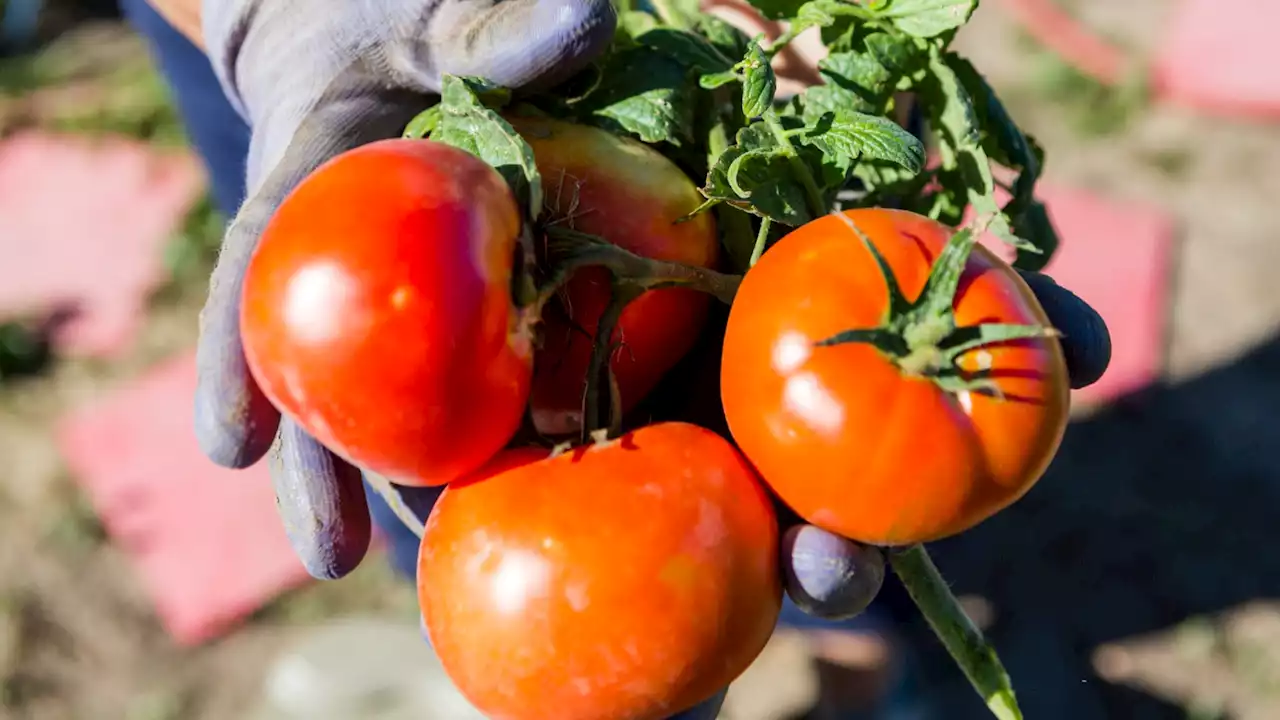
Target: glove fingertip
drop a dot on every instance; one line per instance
(1086, 340)
(321, 502)
(829, 576)
(233, 430)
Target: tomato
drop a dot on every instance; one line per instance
(629, 194)
(377, 310)
(627, 580)
(850, 437)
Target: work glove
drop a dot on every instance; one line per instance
(315, 78)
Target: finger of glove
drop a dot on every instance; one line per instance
(531, 44)
(706, 710)
(829, 576)
(1086, 341)
(321, 502)
(234, 422)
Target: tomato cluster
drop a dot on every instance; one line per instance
(636, 574)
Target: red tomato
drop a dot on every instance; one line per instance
(377, 310)
(629, 194)
(626, 580)
(852, 442)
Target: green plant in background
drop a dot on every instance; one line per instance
(97, 79)
(24, 350)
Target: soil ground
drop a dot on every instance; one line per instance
(1136, 582)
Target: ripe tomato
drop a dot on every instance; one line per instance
(627, 580)
(377, 310)
(629, 194)
(850, 440)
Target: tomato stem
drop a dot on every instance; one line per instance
(962, 639)
(762, 238)
(601, 350)
(577, 249)
(391, 494)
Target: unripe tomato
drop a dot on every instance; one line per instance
(627, 580)
(844, 433)
(629, 194)
(377, 310)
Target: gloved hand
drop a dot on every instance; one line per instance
(315, 78)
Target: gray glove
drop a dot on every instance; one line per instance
(315, 78)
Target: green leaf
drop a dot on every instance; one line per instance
(755, 175)
(1034, 224)
(467, 124)
(928, 18)
(764, 178)
(863, 80)
(758, 82)
(715, 80)
(956, 121)
(728, 39)
(634, 23)
(823, 13)
(647, 93)
(423, 123)
(690, 49)
(849, 136)
(777, 9)
(1003, 140)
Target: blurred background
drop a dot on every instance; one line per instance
(1137, 581)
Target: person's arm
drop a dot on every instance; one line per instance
(183, 15)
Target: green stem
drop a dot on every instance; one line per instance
(958, 634)
(602, 348)
(762, 238)
(391, 494)
(643, 273)
(817, 206)
(781, 42)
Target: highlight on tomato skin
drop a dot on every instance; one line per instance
(631, 195)
(377, 310)
(624, 580)
(846, 432)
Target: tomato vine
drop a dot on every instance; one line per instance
(704, 94)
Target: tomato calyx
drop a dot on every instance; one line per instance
(921, 336)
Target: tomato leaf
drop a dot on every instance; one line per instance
(634, 23)
(755, 175)
(729, 40)
(423, 123)
(960, 144)
(692, 50)
(759, 82)
(823, 13)
(715, 80)
(848, 136)
(777, 9)
(764, 179)
(865, 79)
(466, 123)
(1033, 223)
(928, 18)
(646, 93)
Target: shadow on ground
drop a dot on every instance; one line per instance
(1158, 509)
